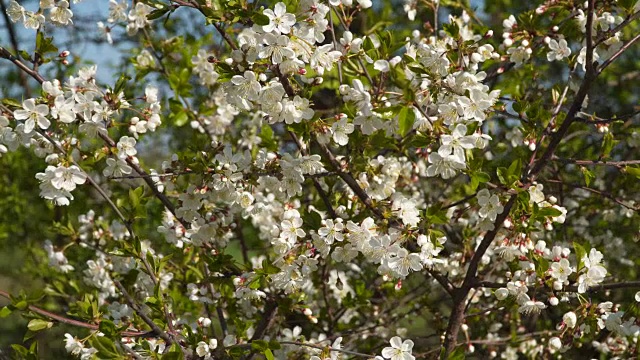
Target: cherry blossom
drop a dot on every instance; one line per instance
(559, 50)
(279, 19)
(399, 350)
(33, 115)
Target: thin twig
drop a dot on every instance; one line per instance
(4, 53)
(597, 192)
(129, 350)
(607, 286)
(596, 162)
(617, 54)
(14, 44)
(156, 329)
(349, 352)
(219, 312)
(77, 323)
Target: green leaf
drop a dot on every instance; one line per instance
(452, 29)
(4, 312)
(174, 353)
(588, 175)
(121, 83)
(39, 324)
(542, 265)
(632, 171)
(312, 219)
(266, 135)
(627, 5)
(549, 212)
(406, 118)
(457, 354)
(20, 350)
(45, 44)
(210, 14)
(105, 346)
(580, 254)
(260, 19)
(108, 328)
(607, 144)
(477, 178)
(435, 215)
(268, 268)
(515, 169)
(268, 354)
(502, 175)
(260, 345)
(181, 118)
(155, 14)
(11, 102)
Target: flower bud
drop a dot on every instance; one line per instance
(570, 319)
(555, 344)
(557, 285)
(501, 293)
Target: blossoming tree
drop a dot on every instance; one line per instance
(330, 179)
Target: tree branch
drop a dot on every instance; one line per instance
(156, 329)
(596, 162)
(77, 323)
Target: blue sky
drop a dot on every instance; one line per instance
(87, 12)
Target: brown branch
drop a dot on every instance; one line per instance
(589, 35)
(129, 350)
(598, 192)
(457, 314)
(596, 162)
(353, 184)
(607, 34)
(149, 180)
(460, 294)
(225, 36)
(4, 53)
(593, 119)
(608, 286)
(617, 54)
(564, 128)
(169, 340)
(509, 339)
(320, 347)
(219, 312)
(316, 183)
(68, 321)
(323, 195)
